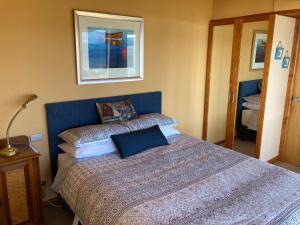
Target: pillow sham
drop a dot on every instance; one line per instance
(149, 120)
(138, 141)
(255, 99)
(91, 135)
(249, 105)
(116, 112)
(101, 149)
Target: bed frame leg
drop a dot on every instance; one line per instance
(76, 221)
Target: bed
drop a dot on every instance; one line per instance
(189, 181)
(247, 119)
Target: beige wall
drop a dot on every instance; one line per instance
(286, 4)
(232, 8)
(246, 47)
(38, 56)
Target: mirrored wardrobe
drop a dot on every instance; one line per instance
(247, 81)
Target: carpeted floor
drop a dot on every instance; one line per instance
(57, 216)
(245, 147)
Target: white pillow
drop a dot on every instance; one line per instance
(104, 147)
(100, 149)
(249, 105)
(169, 131)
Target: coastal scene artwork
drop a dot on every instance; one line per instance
(109, 48)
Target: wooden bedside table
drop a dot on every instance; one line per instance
(20, 189)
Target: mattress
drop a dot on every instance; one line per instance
(189, 181)
(250, 119)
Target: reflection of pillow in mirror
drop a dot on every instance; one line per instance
(255, 99)
(249, 105)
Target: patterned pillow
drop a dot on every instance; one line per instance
(254, 99)
(149, 120)
(116, 112)
(91, 135)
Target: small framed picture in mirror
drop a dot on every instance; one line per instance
(258, 54)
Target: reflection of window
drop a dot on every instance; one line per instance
(110, 48)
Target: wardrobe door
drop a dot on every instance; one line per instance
(292, 147)
(275, 86)
(234, 69)
(290, 144)
(220, 68)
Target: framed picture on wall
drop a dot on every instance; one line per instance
(109, 48)
(286, 61)
(259, 45)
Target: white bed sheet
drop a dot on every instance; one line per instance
(250, 119)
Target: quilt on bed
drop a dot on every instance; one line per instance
(250, 119)
(188, 182)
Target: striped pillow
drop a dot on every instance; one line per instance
(91, 135)
(254, 99)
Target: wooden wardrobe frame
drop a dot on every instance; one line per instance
(234, 71)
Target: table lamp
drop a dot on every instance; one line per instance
(9, 150)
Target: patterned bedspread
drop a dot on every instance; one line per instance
(188, 182)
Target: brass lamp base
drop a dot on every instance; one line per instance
(8, 151)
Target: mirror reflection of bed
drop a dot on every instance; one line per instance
(247, 116)
(253, 46)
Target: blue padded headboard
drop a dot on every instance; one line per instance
(246, 88)
(65, 115)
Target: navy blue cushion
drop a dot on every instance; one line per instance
(137, 141)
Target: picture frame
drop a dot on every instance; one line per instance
(279, 51)
(258, 52)
(109, 48)
(286, 61)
